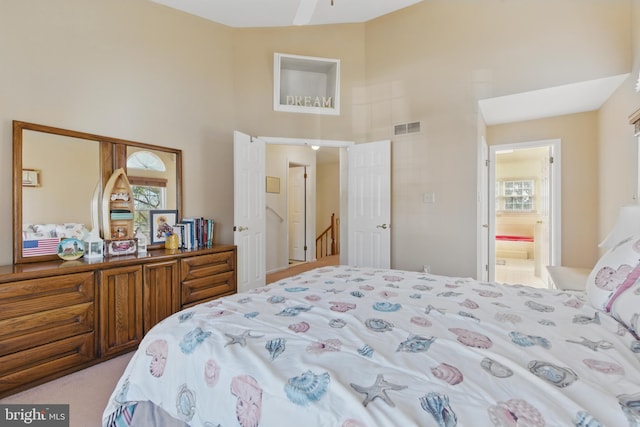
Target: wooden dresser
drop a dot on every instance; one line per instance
(62, 316)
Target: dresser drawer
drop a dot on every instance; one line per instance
(205, 277)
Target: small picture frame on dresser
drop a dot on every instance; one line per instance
(117, 247)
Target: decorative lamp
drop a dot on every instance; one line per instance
(628, 225)
(94, 245)
(142, 241)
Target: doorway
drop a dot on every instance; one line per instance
(297, 196)
(524, 201)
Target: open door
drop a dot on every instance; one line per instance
(369, 205)
(249, 210)
(297, 213)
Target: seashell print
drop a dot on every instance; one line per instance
(496, 369)
(324, 346)
(422, 287)
(472, 339)
(604, 366)
(528, 340)
(421, 321)
(469, 304)
(488, 294)
(158, 350)
(337, 323)
(547, 322)
(584, 419)
(556, 375)
(186, 316)
(515, 412)
(468, 315)
(186, 403)
(438, 406)
(387, 294)
(357, 294)
(367, 287)
(212, 304)
(293, 311)
(507, 317)
(378, 325)
(307, 387)
(218, 313)
(447, 373)
(341, 307)
(392, 278)
(430, 308)
(211, 373)
(251, 315)
(499, 304)
(582, 319)
(449, 294)
(275, 347)
(542, 308)
(121, 395)
(296, 289)
(451, 285)
(635, 346)
(299, 327)
(352, 423)
(313, 298)
(630, 405)
(192, 339)
(249, 400)
(244, 300)
(416, 344)
(415, 296)
(386, 307)
(365, 351)
(574, 303)
(275, 299)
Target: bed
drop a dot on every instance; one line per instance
(354, 347)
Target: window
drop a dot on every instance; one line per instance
(517, 196)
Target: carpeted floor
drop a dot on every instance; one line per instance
(87, 391)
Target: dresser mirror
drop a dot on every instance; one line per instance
(58, 179)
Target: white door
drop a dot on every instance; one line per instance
(369, 204)
(297, 213)
(249, 210)
(483, 213)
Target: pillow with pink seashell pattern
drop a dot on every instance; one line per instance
(613, 284)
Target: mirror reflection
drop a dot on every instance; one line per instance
(152, 175)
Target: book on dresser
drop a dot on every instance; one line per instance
(196, 232)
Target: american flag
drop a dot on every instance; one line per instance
(40, 247)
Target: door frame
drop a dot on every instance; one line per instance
(342, 145)
(555, 201)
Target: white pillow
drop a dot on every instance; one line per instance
(613, 284)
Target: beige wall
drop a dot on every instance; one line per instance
(578, 134)
(432, 62)
(137, 70)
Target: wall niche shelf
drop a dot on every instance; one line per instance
(306, 84)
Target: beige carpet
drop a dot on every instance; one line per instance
(87, 391)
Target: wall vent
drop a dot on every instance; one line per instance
(406, 128)
(400, 129)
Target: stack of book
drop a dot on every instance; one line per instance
(194, 232)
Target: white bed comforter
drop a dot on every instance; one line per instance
(345, 346)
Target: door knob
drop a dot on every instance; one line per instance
(241, 228)
(383, 226)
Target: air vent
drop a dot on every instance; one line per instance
(400, 129)
(406, 128)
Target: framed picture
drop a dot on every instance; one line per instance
(162, 222)
(273, 184)
(120, 247)
(31, 177)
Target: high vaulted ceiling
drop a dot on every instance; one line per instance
(283, 13)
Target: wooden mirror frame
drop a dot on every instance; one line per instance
(113, 155)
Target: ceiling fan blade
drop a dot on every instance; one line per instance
(305, 12)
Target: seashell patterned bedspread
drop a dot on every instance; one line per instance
(353, 347)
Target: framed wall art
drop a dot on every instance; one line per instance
(31, 177)
(162, 222)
